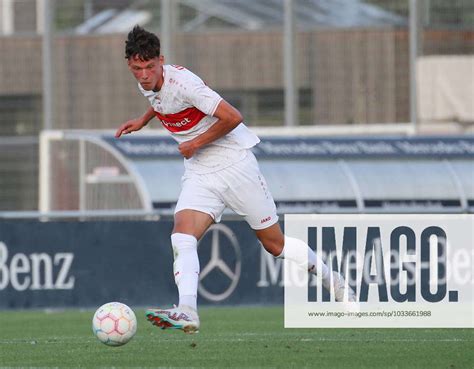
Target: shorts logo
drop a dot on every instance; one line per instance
(264, 220)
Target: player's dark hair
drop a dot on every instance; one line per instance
(142, 44)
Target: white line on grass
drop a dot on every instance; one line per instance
(251, 337)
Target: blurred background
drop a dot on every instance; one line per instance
(283, 63)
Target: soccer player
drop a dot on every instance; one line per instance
(220, 171)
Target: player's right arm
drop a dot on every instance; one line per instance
(135, 124)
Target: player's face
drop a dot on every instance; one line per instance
(149, 73)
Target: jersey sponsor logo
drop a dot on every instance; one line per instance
(181, 121)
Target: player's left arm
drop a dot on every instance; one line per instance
(228, 118)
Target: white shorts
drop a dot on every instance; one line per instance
(240, 187)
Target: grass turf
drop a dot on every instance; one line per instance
(244, 337)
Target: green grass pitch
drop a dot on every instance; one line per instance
(230, 337)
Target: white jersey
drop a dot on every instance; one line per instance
(185, 107)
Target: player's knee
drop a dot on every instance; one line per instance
(180, 226)
(273, 245)
(184, 225)
(272, 239)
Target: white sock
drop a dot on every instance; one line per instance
(315, 263)
(186, 268)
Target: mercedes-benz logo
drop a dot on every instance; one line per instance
(216, 262)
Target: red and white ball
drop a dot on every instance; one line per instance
(114, 324)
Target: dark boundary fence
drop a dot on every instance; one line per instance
(85, 264)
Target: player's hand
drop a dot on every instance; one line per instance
(129, 127)
(188, 148)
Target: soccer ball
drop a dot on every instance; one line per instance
(114, 324)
